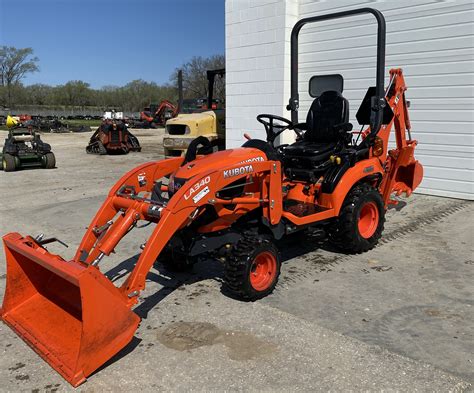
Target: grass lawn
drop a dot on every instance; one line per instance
(90, 123)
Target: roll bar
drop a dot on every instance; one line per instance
(378, 101)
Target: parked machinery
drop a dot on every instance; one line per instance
(156, 115)
(112, 137)
(208, 121)
(23, 148)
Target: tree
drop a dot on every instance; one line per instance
(76, 93)
(195, 77)
(15, 64)
(38, 94)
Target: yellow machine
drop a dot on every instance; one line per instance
(208, 122)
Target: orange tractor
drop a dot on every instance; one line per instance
(233, 204)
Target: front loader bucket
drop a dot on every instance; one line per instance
(69, 313)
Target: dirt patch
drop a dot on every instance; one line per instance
(183, 336)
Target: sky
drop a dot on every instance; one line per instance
(112, 42)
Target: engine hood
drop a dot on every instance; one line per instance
(185, 117)
(218, 160)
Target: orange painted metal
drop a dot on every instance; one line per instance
(70, 314)
(368, 220)
(263, 271)
(403, 173)
(76, 319)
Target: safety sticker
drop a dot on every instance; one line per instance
(201, 194)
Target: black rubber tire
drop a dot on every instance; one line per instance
(344, 233)
(49, 160)
(8, 163)
(239, 263)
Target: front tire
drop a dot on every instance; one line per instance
(361, 220)
(8, 163)
(252, 268)
(49, 160)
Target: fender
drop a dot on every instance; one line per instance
(361, 170)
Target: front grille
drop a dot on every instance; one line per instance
(176, 129)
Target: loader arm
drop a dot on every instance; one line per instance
(185, 206)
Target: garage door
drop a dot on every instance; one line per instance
(433, 42)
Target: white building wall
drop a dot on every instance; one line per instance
(257, 38)
(433, 41)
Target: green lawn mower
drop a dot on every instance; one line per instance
(24, 148)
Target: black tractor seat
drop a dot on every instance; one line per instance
(307, 161)
(325, 133)
(316, 151)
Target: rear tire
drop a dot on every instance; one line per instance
(252, 268)
(361, 220)
(49, 160)
(8, 163)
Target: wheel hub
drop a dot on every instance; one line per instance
(263, 271)
(368, 220)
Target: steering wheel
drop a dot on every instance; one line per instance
(268, 122)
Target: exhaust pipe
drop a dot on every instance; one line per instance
(180, 91)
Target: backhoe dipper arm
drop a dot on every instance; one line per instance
(403, 173)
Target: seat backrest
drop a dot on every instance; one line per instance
(327, 110)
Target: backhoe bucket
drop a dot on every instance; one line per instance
(69, 313)
(410, 175)
(409, 172)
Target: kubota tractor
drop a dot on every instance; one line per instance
(234, 204)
